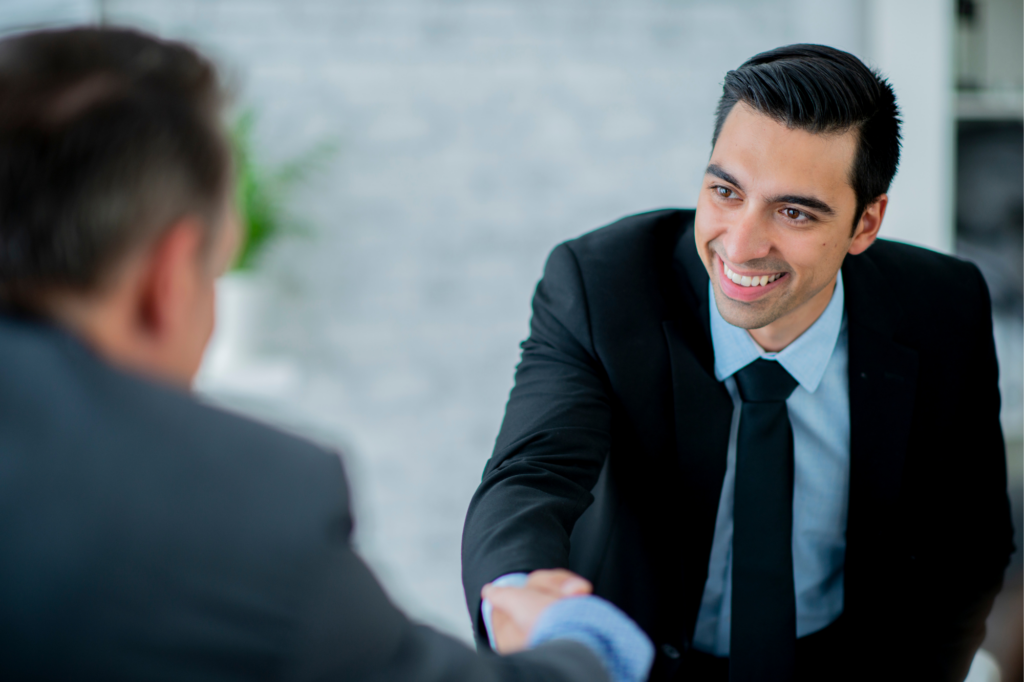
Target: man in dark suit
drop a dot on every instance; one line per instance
(770, 438)
(143, 535)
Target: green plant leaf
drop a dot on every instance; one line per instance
(262, 192)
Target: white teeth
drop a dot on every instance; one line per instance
(747, 281)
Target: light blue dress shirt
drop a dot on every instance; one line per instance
(819, 411)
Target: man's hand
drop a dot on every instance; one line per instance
(516, 609)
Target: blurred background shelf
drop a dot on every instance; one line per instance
(990, 105)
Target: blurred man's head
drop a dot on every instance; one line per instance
(115, 201)
(805, 146)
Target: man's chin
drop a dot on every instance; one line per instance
(743, 314)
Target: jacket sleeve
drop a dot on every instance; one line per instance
(349, 630)
(551, 447)
(977, 524)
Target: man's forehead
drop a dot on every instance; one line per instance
(746, 117)
(767, 155)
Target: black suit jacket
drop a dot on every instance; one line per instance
(144, 536)
(611, 456)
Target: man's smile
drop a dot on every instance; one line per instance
(750, 281)
(747, 286)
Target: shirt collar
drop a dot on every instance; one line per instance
(805, 358)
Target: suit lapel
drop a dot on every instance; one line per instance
(703, 413)
(692, 281)
(882, 384)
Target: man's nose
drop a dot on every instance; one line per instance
(748, 238)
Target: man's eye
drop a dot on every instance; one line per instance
(792, 213)
(724, 192)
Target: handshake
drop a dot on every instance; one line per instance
(523, 611)
(516, 610)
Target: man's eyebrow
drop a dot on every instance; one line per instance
(809, 202)
(718, 172)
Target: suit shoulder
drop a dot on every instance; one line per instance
(71, 409)
(897, 257)
(635, 236)
(268, 466)
(257, 443)
(622, 273)
(930, 285)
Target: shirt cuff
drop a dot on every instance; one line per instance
(622, 646)
(507, 580)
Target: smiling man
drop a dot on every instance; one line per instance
(770, 437)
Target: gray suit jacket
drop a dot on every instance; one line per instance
(146, 536)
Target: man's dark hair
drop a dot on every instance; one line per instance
(107, 136)
(824, 90)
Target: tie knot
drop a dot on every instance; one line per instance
(764, 381)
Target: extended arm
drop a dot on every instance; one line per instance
(552, 444)
(349, 630)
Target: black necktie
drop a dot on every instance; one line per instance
(762, 641)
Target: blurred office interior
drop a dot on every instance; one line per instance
(449, 145)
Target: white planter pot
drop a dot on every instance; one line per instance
(240, 296)
(233, 365)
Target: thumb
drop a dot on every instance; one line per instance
(559, 582)
(524, 606)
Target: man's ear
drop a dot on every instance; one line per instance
(168, 276)
(868, 226)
